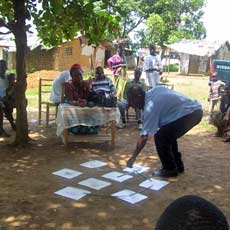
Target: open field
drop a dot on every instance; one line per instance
(27, 198)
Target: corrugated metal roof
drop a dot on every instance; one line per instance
(196, 47)
(8, 41)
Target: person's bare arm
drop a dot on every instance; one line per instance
(140, 145)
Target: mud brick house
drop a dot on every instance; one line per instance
(196, 55)
(62, 57)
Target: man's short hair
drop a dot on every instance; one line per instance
(98, 68)
(152, 46)
(192, 213)
(135, 96)
(135, 91)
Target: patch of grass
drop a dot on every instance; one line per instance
(187, 83)
(32, 92)
(205, 125)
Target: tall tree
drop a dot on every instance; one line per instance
(166, 20)
(13, 17)
(55, 21)
(173, 20)
(132, 13)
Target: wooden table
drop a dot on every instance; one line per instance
(69, 116)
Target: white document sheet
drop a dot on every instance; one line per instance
(72, 193)
(130, 196)
(67, 173)
(153, 184)
(117, 176)
(95, 183)
(93, 164)
(136, 169)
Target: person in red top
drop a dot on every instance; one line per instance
(76, 93)
(117, 62)
(76, 90)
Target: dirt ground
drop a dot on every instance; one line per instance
(28, 202)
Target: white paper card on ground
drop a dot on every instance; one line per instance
(130, 196)
(72, 193)
(95, 183)
(67, 173)
(153, 184)
(136, 169)
(93, 164)
(117, 176)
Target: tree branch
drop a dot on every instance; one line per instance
(9, 26)
(138, 23)
(4, 33)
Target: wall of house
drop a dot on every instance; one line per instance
(193, 64)
(204, 65)
(198, 64)
(75, 51)
(1, 53)
(11, 62)
(64, 56)
(184, 63)
(40, 59)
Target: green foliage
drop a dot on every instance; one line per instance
(62, 20)
(173, 20)
(171, 68)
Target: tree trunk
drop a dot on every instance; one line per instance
(21, 45)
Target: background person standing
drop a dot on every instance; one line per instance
(117, 62)
(152, 67)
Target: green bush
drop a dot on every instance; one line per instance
(171, 68)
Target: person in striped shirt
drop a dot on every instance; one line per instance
(101, 83)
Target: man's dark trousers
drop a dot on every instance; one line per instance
(166, 140)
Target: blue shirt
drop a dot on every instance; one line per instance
(163, 106)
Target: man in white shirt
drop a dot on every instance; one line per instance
(152, 67)
(56, 90)
(5, 107)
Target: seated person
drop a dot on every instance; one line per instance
(56, 90)
(6, 97)
(10, 100)
(214, 92)
(192, 213)
(124, 104)
(76, 90)
(227, 124)
(103, 91)
(76, 93)
(219, 118)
